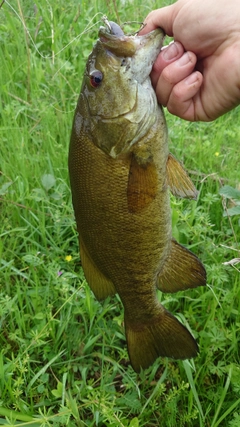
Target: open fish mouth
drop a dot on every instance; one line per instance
(143, 50)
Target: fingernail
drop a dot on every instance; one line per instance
(184, 59)
(193, 78)
(170, 52)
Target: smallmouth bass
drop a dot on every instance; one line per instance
(120, 170)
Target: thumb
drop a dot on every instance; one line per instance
(163, 18)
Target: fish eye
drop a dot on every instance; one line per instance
(96, 78)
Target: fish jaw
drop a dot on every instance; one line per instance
(141, 51)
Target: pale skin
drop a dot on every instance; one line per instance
(197, 77)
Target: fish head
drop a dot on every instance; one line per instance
(117, 101)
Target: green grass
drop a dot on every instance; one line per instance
(63, 357)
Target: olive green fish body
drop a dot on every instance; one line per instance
(123, 239)
(120, 169)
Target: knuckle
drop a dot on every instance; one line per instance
(168, 75)
(175, 102)
(171, 108)
(177, 94)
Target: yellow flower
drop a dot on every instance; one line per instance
(217, 154)
(68, 258)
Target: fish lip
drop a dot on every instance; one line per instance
(124, 45)
(118, 45)
(104, 32)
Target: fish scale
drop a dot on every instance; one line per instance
(120, 170)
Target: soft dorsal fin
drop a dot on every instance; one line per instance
(182, 270)
(178, 180)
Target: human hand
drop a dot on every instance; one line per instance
(198, 76)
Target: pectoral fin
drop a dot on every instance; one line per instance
(182, 270)
(101, 286)
(142, 185)
(178, 180)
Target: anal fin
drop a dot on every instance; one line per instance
(101, 286)
(178, 180)
(182, 270)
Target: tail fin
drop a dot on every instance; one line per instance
(162, 336)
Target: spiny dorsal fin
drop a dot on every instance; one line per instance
(101, 286)
(178, 180)
(182, 270)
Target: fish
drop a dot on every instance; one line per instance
(120, 172)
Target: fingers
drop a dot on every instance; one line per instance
(175, 81)
(184, 100)
(169, 54)
(172, 73)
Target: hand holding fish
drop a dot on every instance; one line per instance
(198, 76)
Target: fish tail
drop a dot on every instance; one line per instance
(163, 335)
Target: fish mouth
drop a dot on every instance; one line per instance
(117, 43)
(114, 40)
